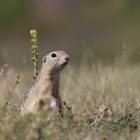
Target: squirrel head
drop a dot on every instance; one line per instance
(55, 61)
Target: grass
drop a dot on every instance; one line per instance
(101, 101)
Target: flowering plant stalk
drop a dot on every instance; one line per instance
(34, 52)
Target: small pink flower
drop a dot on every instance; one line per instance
(53, 103)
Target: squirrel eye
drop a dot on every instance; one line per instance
(53, 55)
(44, 59)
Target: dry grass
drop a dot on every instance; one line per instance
(102, 103)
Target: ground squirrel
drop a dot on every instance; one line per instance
(47, 84)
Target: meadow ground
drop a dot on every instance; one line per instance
(101, 101)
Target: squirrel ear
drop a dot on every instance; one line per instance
(44, 60)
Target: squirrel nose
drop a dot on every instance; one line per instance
(67, 58)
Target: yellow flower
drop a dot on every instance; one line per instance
(33, 33)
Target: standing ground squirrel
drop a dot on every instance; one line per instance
(46, 86)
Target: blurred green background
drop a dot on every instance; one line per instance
(104, 26)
